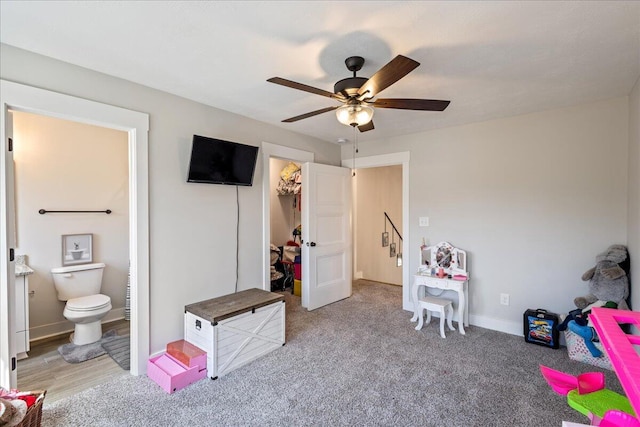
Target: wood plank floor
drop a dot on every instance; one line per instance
(45, 369)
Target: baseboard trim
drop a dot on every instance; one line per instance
(500, 325)
(60, 328)
(506, 326)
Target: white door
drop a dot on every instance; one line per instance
(326, 234)
(7, 284)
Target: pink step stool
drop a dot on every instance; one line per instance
(183, 364)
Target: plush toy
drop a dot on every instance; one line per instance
(608, 280)
(608, 287)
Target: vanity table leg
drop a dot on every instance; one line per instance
(466, 304)
(414, 296)
(450, 318)
(420, 321)
(461, 311)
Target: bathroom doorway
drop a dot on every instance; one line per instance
(17, 97)
(81, 170)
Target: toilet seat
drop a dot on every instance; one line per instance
(88, 303)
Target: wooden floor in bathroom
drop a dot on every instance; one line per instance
(45, 369)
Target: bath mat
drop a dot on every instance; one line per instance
(72, 353)
(118, 349)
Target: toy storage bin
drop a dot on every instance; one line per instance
(578, 351)
(236, 329)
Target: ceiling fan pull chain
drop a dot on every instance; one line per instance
(355, 150)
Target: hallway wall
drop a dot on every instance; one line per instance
(377, 190)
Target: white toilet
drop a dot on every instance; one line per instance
(79, 286)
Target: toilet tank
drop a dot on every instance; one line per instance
(77, 280)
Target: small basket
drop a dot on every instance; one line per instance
(33, 417)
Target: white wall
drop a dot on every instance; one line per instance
(284, 217)
(378, 190)
(633, 222)
(62, 165)
(533, 199)
(192, 226)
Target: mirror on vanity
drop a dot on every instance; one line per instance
(443, 255)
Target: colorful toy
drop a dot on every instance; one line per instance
(608, 285)
(588, 334)
(608, 280)
(586, 393)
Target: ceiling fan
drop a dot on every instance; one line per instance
(357, 94)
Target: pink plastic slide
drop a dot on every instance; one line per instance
(563, 383)
(619, 346)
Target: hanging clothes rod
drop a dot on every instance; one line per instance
(42, 211)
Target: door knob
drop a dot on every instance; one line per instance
(311, 244)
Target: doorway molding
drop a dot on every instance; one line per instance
(401, 158)
(18, 97)
(269, 151)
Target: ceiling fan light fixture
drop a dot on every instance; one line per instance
(354, 114)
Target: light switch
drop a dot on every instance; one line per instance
(424, 221)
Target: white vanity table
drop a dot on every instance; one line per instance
(22, 306)
(451, 262)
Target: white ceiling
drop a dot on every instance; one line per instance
(491, 59)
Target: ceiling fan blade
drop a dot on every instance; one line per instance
(303, 87)
(411, 104)
(307, 115)
(396, 69)
(366, 127)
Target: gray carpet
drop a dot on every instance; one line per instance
(119, 350)
(72, 353)
(358, 362)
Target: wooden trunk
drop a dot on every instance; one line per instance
(236, 329)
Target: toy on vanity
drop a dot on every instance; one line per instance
(443, 260)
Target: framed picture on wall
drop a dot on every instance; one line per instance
(385, 239)
(392, 250)
(77, 249)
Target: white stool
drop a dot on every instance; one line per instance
(435, 304)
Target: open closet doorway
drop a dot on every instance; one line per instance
(281, 213)
(286, 225)
(400, 160)
(326, 267)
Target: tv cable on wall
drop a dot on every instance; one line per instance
(216, 161)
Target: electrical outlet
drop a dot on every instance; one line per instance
(504, 299)
(424, 221)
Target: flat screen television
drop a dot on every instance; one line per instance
(214, 161)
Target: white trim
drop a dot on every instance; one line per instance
(34, 100)
(43, 332)
(281, 152)
(506, 326)
(401, 158)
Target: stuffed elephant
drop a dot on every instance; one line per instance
(608, 280)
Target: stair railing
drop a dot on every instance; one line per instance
(393, 249)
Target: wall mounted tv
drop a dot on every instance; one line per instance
(214, 161)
